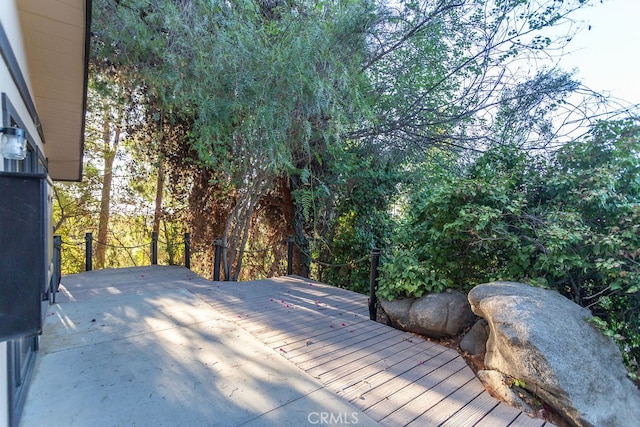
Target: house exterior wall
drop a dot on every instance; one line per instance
(4, 367)
(10, 26)
(43, 60)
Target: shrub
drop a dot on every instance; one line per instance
(569, 221)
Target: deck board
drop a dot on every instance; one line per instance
(404, 405)
(366, 363)
(500, 415)
(353, 375)
(525, 420)
(380, 401)
(336, 349)
(396, 378)
(347, 359)
(440, 411)
(473, 411)
(398, 369)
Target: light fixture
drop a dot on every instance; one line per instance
(13, 145)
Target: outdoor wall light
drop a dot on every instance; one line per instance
(13, 146)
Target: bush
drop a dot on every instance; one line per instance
(569, 221)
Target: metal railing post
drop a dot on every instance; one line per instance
(290, 242)
(57, 267)
(88, 249)
(187, 250)
(216, 259)
(373, 283)
(154, 248)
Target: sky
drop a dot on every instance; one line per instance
(607, 57)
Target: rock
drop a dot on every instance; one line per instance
(475, 341)
(397, 311)
(434, 315)
(542, 338)
(496, 384)
(381, 316)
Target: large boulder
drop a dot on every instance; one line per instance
(438, 315)
(544, 339)
(474, 342)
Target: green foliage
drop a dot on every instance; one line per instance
(625, 336)
(265, 87)
(405, 274)
(360, 187)
(263, 91)
(257, 81)
(568, 221)
(515, 382)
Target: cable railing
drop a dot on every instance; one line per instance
(218, 243)
(89, 242)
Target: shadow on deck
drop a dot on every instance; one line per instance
(155, 345)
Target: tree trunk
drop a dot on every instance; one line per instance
(238, 223)
(109, 155)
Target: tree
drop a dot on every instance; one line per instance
(278, 77)
(273, 91)
(110, 143)
(441, 68)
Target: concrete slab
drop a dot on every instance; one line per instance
(167, 358)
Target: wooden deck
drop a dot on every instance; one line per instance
(394, 377)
